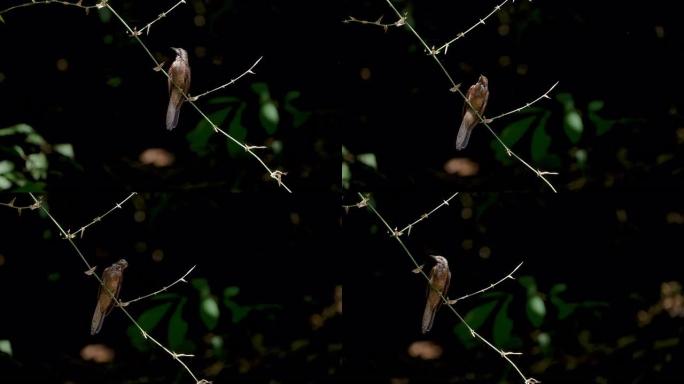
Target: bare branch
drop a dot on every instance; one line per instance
(99, 218)
(509, 276)
(161, 16)
(78, 4)
(419, 269)
(424, 216)
(445, 47)
(360, 204)
(31, 207)
(180, 280)
(544, 96)
(250, 71)
(116, 301)
(378, 22)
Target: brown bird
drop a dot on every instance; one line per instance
(477, 95)
(112, 278)
(179, 77)
(440, 277)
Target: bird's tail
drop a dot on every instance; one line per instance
(98, 319)
(429, 316)
(463, 136)
(172, 114)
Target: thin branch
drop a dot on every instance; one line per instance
(250, 71)
(99, 218)
(378, 22)
(276, 175)
(360, 204)
(180, 280)
(78, 4)
(509, 276)
(161, 16)
(407, 229)
(118, 303)
(19, 208)
(445, 47)
(544, 96)
(446, 301)
(432, 51)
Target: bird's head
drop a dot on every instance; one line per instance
(483, 80)
(440, 259)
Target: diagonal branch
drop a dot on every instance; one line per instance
(99, 218)
(445, 47)
(250, 71)
(424, 216)
(161, 16)
(118, 303)
(505, 355)
(180, 280)
(527, 105)
(509, 276)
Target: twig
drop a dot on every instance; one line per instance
(99, 218)
(231, 82)
(116, 301)
(446, 301)
(11, 204)
(445, 47)
(424, 216)
(509, 276)
(360, 204)
(61, 2)
(378, 22)
(161, 16)
(181, 280)
(544, 96)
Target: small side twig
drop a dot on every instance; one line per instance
(250, 71)
(360, 204)
(424, 216)
(180, 280)
(509, 276)
(147, 27)
(19, 208)
(78, 4)
(378, 22)
(504, 354)
(98, 218)
(481, 21)
(527, 105)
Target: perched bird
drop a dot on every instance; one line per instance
(478, 94)
(112, 278)
(179, 77)
(439, 284)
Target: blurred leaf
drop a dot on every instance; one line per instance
(503, 325)
(298, 116)
(148, 320)
(567, 101)
(475, 317)
(6, 166)
(581, 157)
(238, 312)
(573, 126)
(6, 347)
(544, 340)
(35, 138)
(19, 128)
(261, 89)
(368, 159)
(237, 130)
(541, 141)
(536, 310)
(66, 150)
(223, 100)
(529, 283)
(231, 292)
(114, 81)
(595, 106)
(346, 175)
(37, 165)
(510, 135)
(209, 312)
(178, 328)
(202, 286)
(199, 137)
(4, 183)
(268, 115)
(558, 289)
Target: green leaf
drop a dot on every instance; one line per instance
(5, 183)
(6, 166)
(529, 283)
(199, 137)
(16, 129)
(148, 320)
(261, 89)
(536, 310)
(475, 317)
(178, 328)
(503, 325)
(6, 347)
(298, 116)
(37, 165)
(573, 126)
(35, 138)
(510, 135)
(581, 157)
(541, 141)
(567, 101)
(558, 289)
(268, 115)
(595, 106)
(346, 175)
(238, 312)
(368, 159)
(2, 21)
(209, 312)
(238, 131)
(231, 292)
(602, 125)
(202, 286)
(66, 150)
(115, 81)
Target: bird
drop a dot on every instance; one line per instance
(111, 278)
(477, 96)
(179, 79)
(440, 277)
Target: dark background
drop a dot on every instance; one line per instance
(625, 55)
(612, 251)
(274, 249)
(110, 105)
